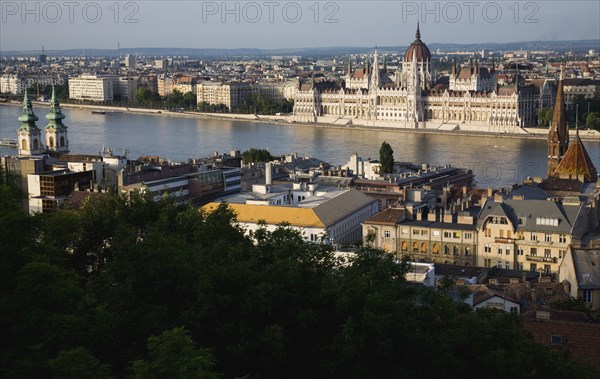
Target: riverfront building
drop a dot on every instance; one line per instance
(470, 100)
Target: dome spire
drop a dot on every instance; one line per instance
(28, 117)
(418, 34)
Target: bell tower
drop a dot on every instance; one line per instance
(30, 138)
(56, 131)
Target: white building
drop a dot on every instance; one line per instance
(16, 83)
(320, 214)
(92, 87)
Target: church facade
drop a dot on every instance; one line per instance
(470, 100)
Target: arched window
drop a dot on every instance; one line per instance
(415, 246)
(455, 251)
(467, 251)
(36, 144)
(51, 141)
(446, 250)
(24, 144)
(404, 246)
(423, 247)
(435, 249)
(62, 141)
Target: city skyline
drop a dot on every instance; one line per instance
(278, 25)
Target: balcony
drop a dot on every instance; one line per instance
(535, 258)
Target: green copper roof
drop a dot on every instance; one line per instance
(55, 116)
(28, 118)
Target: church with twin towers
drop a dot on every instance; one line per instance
(30, 141)
(469, 99)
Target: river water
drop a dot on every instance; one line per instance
(497, 162)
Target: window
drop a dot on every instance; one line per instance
(508, 251)
(468, 236)
(508, 265)
(533, 236)
(435, 249)
(467, 251)
(562, 238)
(533, 252)
(415, 232)
(404, 231)
(513, 309)
(520, 251)
(488, 232)
(387, 234)
(487, 262)
(587, 296)
(509, 234)
(499, 264)
(532, 267)
(556, 340)
(501, 233)
(547, 269)
(404, 246)
(500, 250)
(561, 253)
(415, 246)
(447, 234)
(456, 235)
(487, 248)
(547, 253)
(547, 237)
(446, 250)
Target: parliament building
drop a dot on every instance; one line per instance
(410, 97)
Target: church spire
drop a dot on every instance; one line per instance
(55, 116)
(29, 134)
(558, 137)
(56, 131)
(27, 118)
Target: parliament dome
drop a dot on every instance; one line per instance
(417, 48)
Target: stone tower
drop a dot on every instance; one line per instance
(30, 138)
(56, 131)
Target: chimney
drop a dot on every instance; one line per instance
(268, 174)
(490, 192)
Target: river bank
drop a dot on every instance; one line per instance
(532, 133)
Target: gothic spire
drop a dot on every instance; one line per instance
(418, 33)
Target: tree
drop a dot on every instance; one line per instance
(386, 158)
(545, 116)
(256, 155)
(592, 121)
(77, 363)
(173, 354)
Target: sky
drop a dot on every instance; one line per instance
(69, 24)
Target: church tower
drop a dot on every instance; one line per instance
(30, 138)
(56, 131)
(558, 137)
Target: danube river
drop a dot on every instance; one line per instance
(497, 162)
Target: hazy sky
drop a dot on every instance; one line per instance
(279, 24)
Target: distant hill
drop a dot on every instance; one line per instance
(574, 46)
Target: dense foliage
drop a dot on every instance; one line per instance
(256, 155)
(386, 158)
(151, 290)
(257, 104)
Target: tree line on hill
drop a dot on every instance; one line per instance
(129, 287)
